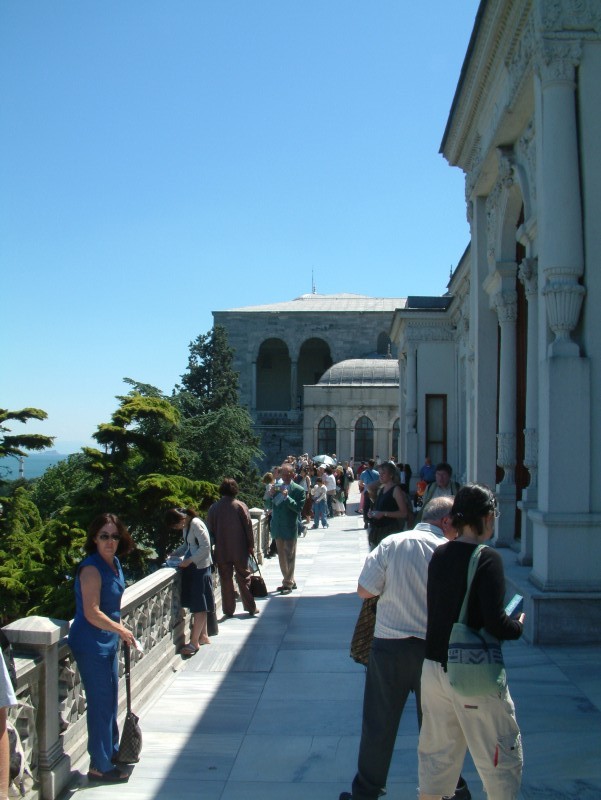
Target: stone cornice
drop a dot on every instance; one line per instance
(500, 32)
(514, 38)
(569, 16)
(425, 331)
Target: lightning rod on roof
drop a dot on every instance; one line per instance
(312, 282)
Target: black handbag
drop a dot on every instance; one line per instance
(363, 635)
(258, 587)
(130, 745)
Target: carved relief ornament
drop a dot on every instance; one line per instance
(570, 15)
(557, 60)
(506, 304)
(506, 458)
(429, 333)
(504, 182)
(526, 155)
(528, 275)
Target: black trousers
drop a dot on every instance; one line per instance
(394, 670)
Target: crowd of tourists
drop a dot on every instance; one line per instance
(424, 585)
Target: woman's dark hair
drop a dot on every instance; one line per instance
(175, 515)
(126, 543)
(473, 502)
(228, 488)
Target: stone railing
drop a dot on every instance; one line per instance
(51, 712)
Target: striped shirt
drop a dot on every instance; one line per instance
(397, 571)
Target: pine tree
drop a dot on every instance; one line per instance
(16, 445)
(216, 437)
(210, 379)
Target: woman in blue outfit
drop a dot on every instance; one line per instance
(94, 639)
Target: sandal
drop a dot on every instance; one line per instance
(188, 650)
(112, 776)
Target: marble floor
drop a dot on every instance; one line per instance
(271, 709)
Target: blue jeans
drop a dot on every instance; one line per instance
(101, 682)
(320, 510)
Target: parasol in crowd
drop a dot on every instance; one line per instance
(327, 460)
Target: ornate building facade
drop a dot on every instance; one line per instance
(521, 337)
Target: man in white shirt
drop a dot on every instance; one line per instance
(396, 572)
(329, 480)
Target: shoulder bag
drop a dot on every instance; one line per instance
(258, 587)
(363, 635)
(475, 663)
(130, 745)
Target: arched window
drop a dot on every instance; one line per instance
(326, 436)
(314, 359)
(364, 439)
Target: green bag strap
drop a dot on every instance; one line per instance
(471, 571)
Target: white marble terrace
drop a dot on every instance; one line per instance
(271, 709)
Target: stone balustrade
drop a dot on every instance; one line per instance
(51, 712)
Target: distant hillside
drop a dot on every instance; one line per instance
(33, 466)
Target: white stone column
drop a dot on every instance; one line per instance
(483, 344)
(561, 247)
(562, 559)
(411, 377)
(411, 454)
(506, 305)
(528, 275)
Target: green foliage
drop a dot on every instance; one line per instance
(17, 445)
(137, 475)
(210, 382)
(37, 561)
(157, 493)
(216, 437)
(221, 444)
(54, 490)
(153, 454)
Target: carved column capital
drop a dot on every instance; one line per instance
(506, 304)
(557, 60)
(506, 458)
(528, 275)
(531, 454)
(563, 296)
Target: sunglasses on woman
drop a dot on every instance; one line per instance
(104, 537)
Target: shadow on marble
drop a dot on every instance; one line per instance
(200, 756)
(326, 660)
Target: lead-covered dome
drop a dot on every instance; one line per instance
(362, 372)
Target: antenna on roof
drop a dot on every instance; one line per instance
(312, 282)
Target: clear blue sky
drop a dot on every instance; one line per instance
(162, 160)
